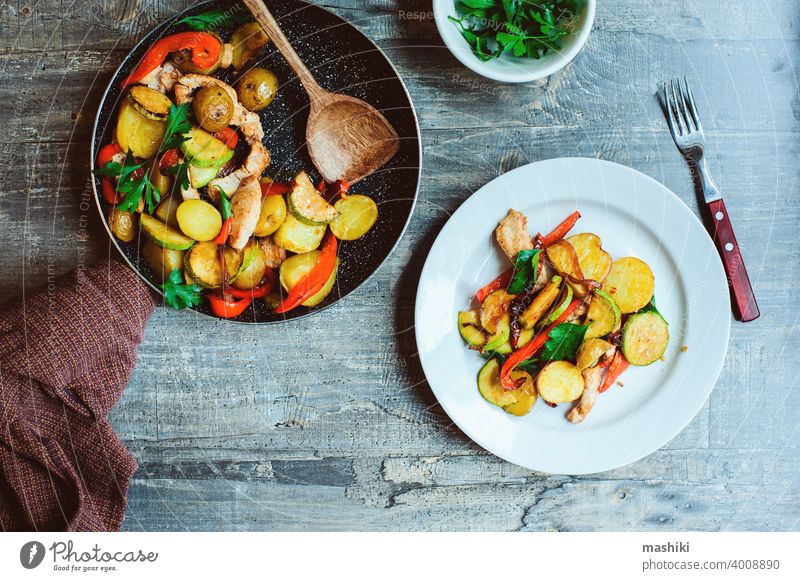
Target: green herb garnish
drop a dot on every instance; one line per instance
(224, 205)
(181, 173)
(563, 342)
(133, 180)
(178, 294)
(524, 28)
(213, 19)
(526, 267)
(177, 125)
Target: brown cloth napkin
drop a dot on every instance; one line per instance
(66, 354)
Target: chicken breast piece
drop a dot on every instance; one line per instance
(245, 209)
(512, 234)
(592, 378)
(274, 254)
(254, 165)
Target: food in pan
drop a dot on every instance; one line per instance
(563, 321)
(186, 170)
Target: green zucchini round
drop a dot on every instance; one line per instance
(644, 338)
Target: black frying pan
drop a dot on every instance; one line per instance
(343, 60)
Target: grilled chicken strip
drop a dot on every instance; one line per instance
(512, 234)
(245, 209)
(254, 165)
(274, 254)
(592, 378)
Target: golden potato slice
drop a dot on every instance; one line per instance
(594, 261)
(565, 261)
(590, 353)
(493, 308)
(560, 382)
(630, 284)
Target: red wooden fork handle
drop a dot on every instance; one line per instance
(724, 238)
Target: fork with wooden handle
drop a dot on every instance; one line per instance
(687, 131)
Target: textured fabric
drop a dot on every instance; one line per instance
(66, 353)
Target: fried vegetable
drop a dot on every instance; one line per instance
(203, 265)
(163, 235)
(564, 302)
(603, 316)
(541, 303)
(201, 176)
(590, 352)
(247, 40)
(512, 234)
(253, 268)
(357, 215)
(295, 236)
(272, 216)
(149, 102)
(122, 224)
(296, 267)
(565, 261)
(204, 150)
(630, 284)
(167, 211)
(470, 328)
(493, 308)
(162, 261)
(162, 182)
(199, 220)
(257, 88)
(307, 205)
(595, 262)
(515, 401)
(183, 60)
(500, 336)
(138, 134)
(644, 338)
(560, 382)
(213, 108)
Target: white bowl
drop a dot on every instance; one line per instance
(508, 68)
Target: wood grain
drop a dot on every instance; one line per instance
(330, 425)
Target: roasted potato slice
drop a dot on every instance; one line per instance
(595, 262)
(560, 382)
(493, 308)
(565, 261)
(630, 284)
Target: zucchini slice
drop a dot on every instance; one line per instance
(200, 176)
(295, 236)
(162, 261)
(203, 266)
(644, 338)
(204, 150)
(470, 328)
(515, 401)
(603, 316)
(631, 283)
(500, 336)
(562, 306)
(307, 205)
(163, 235)
(357, 215)
(560, 382)
(541, 303)
(149, 102)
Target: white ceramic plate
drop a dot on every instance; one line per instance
(635, 216)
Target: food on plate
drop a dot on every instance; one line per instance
(563, 322)
(185, 170)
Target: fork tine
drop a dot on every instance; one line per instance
(671, 118)
(677, 109)
(692, 106)
(680, 106)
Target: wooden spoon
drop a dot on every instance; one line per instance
(347, 138)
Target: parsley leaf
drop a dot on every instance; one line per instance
(563, 342)
(224, 205)
(133, 181)
(181, 173)
(526, 267)
(179, 295)
(177, 124)
(212, 19)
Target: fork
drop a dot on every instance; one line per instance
(687, 131)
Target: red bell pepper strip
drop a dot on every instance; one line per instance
(227, 308)
(228, 136)
(206, 50)
(313, 282)
(559, 231)
(170, 158)
(224, 232)
(615, 369)
(110, 193)
(531, 348)
(498, 283)
(107, 152)
(275, 188)
(258, 292)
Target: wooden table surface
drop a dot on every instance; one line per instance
(328, 424)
